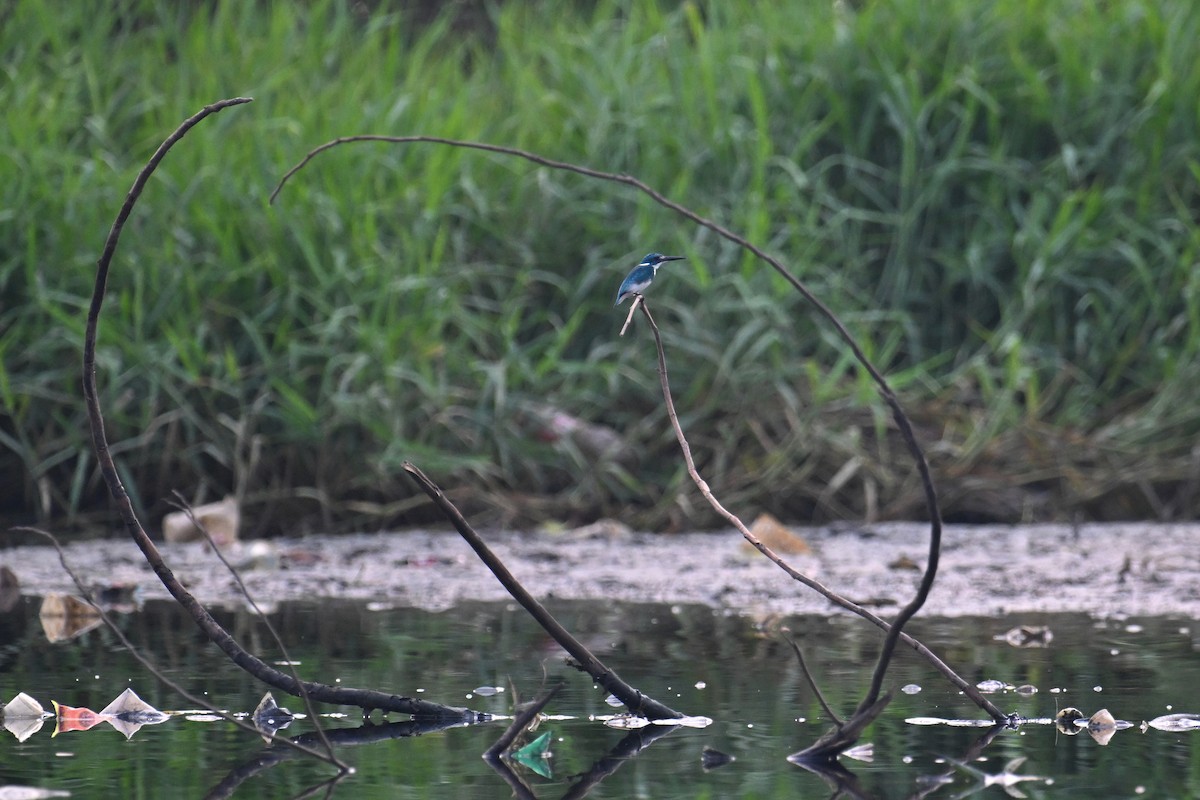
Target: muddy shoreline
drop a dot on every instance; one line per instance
(1127, 569)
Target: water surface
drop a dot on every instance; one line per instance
(734, 669)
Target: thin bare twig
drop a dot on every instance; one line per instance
(810, 582)
(186, 507)
(362, 698)
(811, 682)
(608, 679)
(633, 307)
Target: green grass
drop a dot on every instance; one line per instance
(999, 197)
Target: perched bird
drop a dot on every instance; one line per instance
(642, 275)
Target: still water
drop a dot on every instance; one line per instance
(734, 669)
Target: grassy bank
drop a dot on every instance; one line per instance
(1001, 198)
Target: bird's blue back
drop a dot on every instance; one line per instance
(641, 275)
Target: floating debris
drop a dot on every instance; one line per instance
(1007, 778)
(686, 722)
(864, 752)
(1026, 690)
(711, 758)
(1027, 636)
(129, 706)
(911, 688)
(13, 792)
(65, 616)
(536, 755)
(221, 519)
(1101, 719)
(488, 691)
(1103, 725)
(1176, 723)
(73, 718)
(129, 713)
(538, 748)
(1065, 720)
(23, 716)
(991, 686)
(626, 722)
(22, 706)
(613, 701)
(953, 723)
(269, 717)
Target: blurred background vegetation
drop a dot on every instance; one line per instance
(1000, 197)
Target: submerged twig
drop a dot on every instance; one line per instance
(829, 712)
(633, 699)
(362, 698)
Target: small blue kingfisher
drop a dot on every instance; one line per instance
(642, 275)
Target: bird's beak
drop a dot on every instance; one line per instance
(673, 258)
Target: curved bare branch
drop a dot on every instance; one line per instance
(893, 630)
(363, 698)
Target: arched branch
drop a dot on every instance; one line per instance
(893, 630)
(885, 389)
(363, 698)
(844, 334)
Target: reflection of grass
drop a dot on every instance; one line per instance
(1000, 197)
